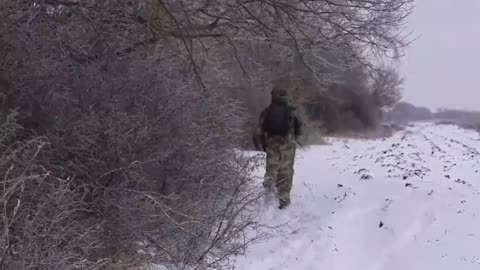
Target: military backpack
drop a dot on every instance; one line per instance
(279, 120)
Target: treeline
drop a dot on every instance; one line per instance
(404, 112)
(463, 118)
(118, 119)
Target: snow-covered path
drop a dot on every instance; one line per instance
(407, 202)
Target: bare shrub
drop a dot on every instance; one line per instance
(132, 148)
(128, 117)
(43, 217)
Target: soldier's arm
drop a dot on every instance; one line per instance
(258, 133)
(298, 123)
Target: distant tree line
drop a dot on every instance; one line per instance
(404, 112)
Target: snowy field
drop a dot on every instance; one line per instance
(407, 202)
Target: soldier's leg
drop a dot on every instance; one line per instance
(285, 175)
(272, 167)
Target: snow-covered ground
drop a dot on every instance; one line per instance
(407, 202)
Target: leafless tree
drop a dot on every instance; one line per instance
(387, 87)
(314, 41)
(352, 29)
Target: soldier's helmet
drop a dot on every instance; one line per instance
(279, 95)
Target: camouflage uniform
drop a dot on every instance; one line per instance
(280, 151)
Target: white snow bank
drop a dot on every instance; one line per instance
(407, 202)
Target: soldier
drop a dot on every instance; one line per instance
(278, 128)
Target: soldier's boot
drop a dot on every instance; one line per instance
(283, 193)
(283, 203)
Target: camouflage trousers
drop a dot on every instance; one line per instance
(279, 169)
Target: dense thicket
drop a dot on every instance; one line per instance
(119, 118)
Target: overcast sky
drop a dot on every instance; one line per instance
(442, 67)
